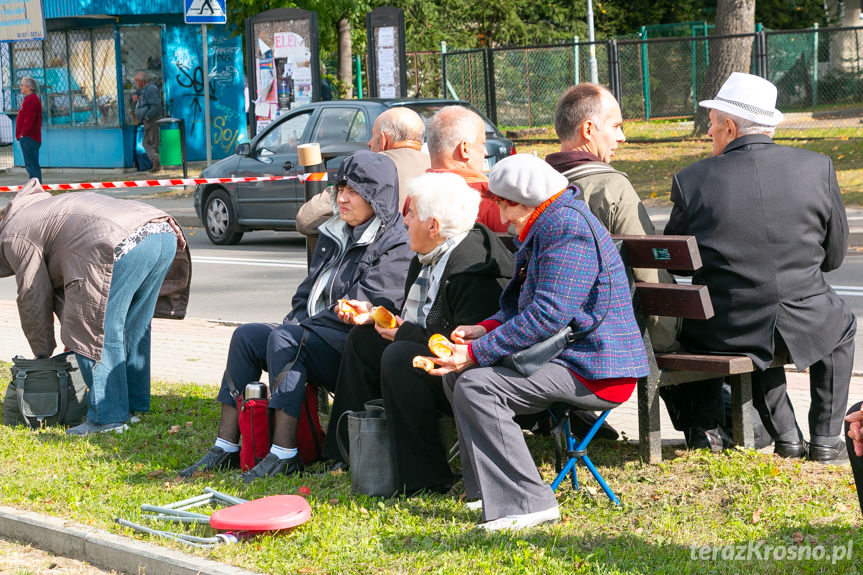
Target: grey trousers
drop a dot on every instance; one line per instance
(496, 463)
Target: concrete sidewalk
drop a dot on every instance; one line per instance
(194, 350)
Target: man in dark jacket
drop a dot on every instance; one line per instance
(362, 253)
(457, 277)
(769, 220)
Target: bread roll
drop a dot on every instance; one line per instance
(440, 346)
(423, 363)
(382, 316)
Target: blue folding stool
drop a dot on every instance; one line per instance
(566, 443)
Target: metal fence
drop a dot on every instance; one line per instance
(819, 74)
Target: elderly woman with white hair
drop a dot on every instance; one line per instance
(455, 279)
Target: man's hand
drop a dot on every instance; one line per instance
(458, 361)
(359, 315)
(467, 333)
(855, 431)
(389, 334)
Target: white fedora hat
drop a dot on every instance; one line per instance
(749, 97)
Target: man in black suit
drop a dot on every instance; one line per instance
(769, 220)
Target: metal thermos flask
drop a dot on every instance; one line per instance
(255, 390)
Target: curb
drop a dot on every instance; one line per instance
(104, 549)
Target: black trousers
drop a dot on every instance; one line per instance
(374, 368)
(856, 460)
(699, 404)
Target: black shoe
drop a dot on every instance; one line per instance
(582, 421)
(334, 467)
(796, 449)
(715, 439)
(836, 455)
(215, 458)
(272, 465)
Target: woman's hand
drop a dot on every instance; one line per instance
(855, 431)
(458, 361)
(360, 314)
(467, 333)
(389, 334)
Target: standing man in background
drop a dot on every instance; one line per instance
(28, 127)
(148, 109)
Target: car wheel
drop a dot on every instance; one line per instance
(220, 221)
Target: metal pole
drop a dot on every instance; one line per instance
(645, 73)
(815, 65)
(359, 76)
(692, 88)
(206, 75)
(576, 73)
(594, 74)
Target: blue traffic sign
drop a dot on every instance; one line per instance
(205, 12)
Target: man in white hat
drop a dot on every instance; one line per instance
(769, 220)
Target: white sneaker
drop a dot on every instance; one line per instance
(525, 521)
(474, 505)
(88, 428)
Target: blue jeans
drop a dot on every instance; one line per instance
(30, 151)
(257, 347)
(120, 382)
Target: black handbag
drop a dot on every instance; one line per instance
(45, 392)
(527, 361)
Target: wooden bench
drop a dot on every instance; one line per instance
(682, 301)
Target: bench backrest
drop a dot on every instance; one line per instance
(679, 253)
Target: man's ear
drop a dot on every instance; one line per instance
(384, 141)
(587, 129)
(733, 130)
(463, 151)
(434, 227)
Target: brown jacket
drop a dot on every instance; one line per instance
(61, 251)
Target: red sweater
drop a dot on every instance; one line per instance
(489, 214)
(29, 122)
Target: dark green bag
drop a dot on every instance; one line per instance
(45, 392)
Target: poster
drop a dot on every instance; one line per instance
(292, 65)
(386, 62)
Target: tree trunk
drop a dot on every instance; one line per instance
(345, 74)
(727, 55)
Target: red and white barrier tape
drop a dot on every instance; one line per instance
(313, 177)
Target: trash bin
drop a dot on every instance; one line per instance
(172, 142)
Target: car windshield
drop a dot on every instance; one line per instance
(429, 109)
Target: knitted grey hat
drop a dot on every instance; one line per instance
(525, 179)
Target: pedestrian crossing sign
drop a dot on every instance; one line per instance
(205, 12)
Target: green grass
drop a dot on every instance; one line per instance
(651, 166)
(691, 499)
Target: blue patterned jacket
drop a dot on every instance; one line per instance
(557, 278)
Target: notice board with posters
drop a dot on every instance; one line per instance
(385, 39)
(21, 20)
(283, 70)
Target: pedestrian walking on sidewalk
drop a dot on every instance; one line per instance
(99, 264)
(28, 127)
(148, 110)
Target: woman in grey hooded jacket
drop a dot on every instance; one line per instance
(362, 253)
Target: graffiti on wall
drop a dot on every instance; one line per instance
(184, 88)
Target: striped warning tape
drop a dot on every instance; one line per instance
(313, 177)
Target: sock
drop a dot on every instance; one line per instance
(227, 446)
(283, 452)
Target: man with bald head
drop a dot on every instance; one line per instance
(397, 133)
(456, 143)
